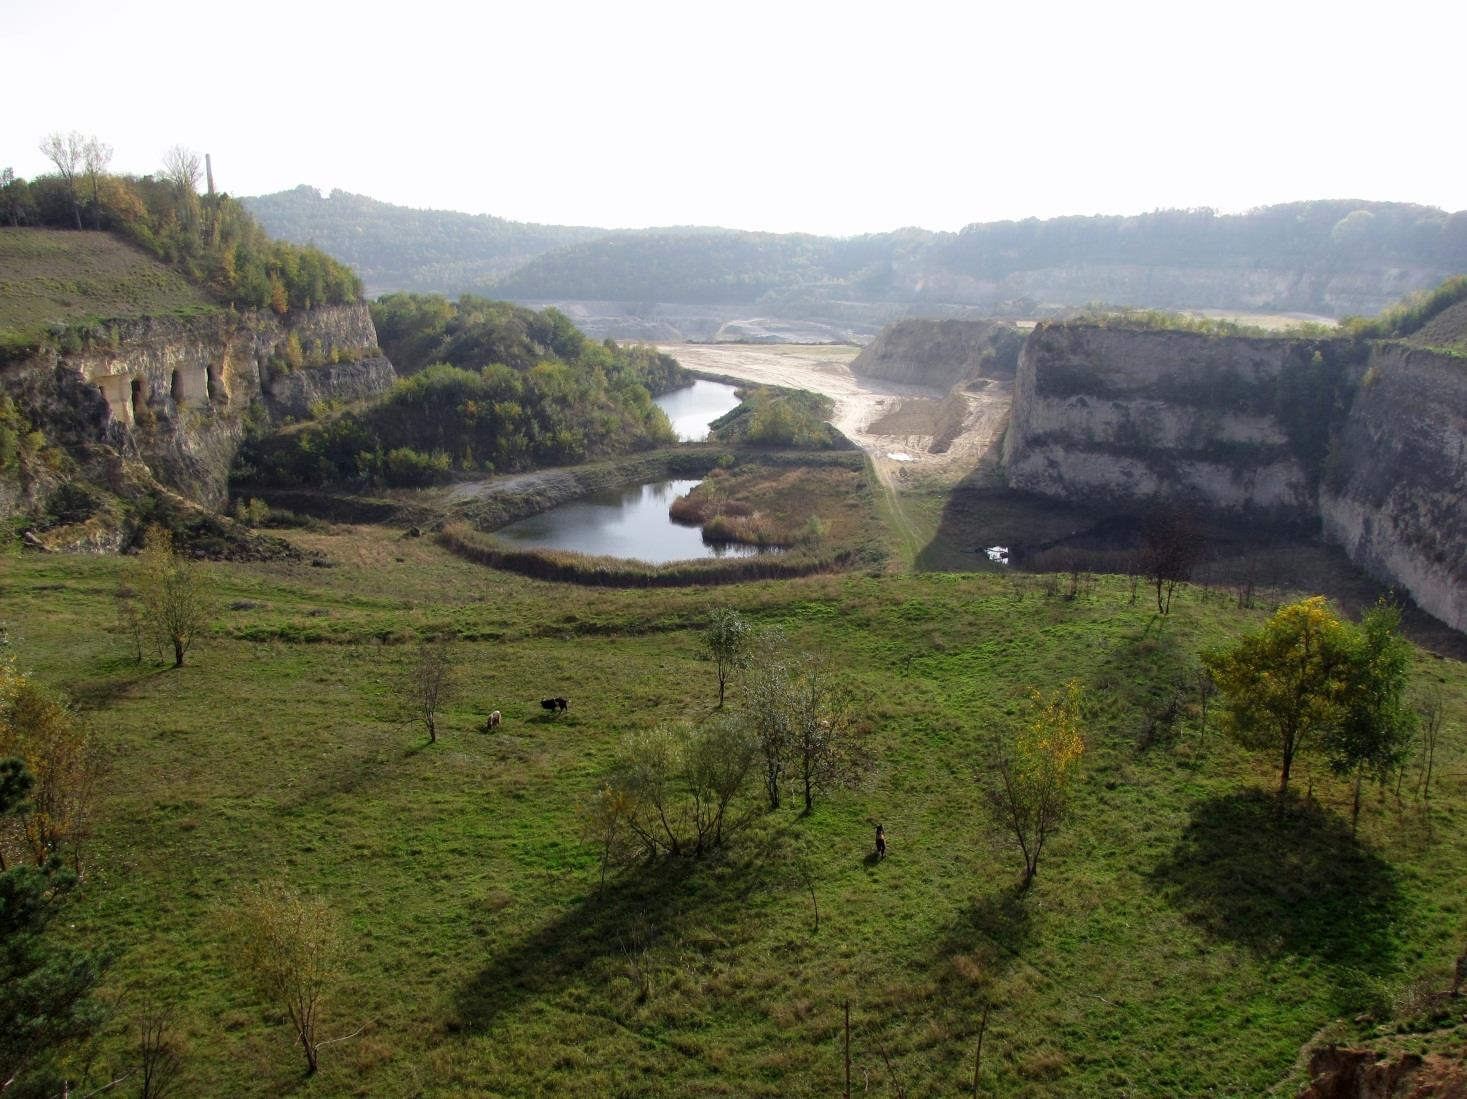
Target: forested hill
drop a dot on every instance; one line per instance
(400, 248)
(1332, 257)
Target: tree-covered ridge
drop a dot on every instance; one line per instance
(691, 266)
(494, 387)
(1331, 234)
(436, 250)
(210, 239)
(401, 248)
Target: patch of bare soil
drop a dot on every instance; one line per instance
(886, 419)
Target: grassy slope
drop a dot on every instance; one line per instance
(50, 277)
(1447, 330)
(1176, 942)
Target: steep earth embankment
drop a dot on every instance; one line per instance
(1368, 440)
(175, 392)
(941, 353)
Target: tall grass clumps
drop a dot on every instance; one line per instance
(617, 572)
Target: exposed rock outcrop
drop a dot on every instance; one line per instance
(1346, 1073)
(1126, 416)
(174, 392)
(294, 394)
(1395, 495)
(941, 353)
(1369, 441)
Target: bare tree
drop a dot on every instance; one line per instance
(428, 684)
(288, 947)
(66, 151)
(159, 1052)
(1172, 545)
(181, 168)
(1431, 707)
(1206, 692)
(96, 155)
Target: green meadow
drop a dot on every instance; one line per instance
(1182, 936)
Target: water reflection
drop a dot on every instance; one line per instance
(629, 522)
(692, 409)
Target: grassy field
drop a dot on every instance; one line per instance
(57, 279)
(1180, 939)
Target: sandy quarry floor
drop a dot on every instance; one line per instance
(883, 418)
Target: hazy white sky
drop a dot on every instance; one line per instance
(841, 117)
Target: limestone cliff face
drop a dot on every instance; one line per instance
(1395, 495)
(940, 353)
(1167, 417)
(1369, 441)
(175, 392)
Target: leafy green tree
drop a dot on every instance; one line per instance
(45, 986)
(1036, 773)
(1377, 727)
(768, 686)
(670, 789)
(289, 947)
(726, 641)
(716, 760)
(176, 596)
(1287, 685)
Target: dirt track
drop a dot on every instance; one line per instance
(883, 418)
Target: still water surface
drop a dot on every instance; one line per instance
(630, 522)
(692, 409)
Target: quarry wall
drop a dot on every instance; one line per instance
(1368, 441)
(175, 391)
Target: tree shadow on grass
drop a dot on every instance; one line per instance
(987, 939)
(1292, 883)
(645, 910)
(115, 680)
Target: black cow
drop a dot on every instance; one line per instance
(554, 703)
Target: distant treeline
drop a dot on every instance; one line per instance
(435, 250)
(399, 248)
(210, 239)
(504, 388)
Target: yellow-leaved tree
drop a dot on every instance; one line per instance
(37, 728)
(1288, 685)
(1036, 772)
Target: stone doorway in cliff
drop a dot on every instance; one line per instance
(139, 396)
(175, 387)
(214, 382)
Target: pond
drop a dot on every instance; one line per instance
(631, 521)
(694, 407)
